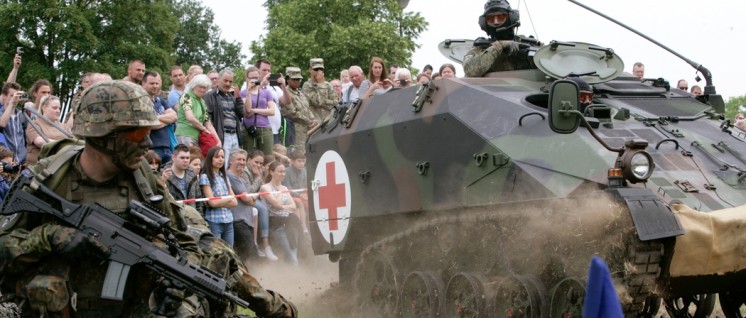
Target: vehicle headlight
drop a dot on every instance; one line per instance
(638, 166)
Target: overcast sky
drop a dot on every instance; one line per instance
(711, 33)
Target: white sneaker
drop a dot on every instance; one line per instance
(260, 252)
(270, 255)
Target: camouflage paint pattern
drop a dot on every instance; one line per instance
(480, 152)
(110, 106)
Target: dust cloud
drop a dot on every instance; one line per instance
(313, 286)
(551, 239)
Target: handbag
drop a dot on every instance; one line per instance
(206, 141)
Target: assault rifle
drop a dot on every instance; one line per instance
(128, 242)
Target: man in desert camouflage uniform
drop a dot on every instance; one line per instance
(320, 94)
(501, 52)
(298, 110)
(53, 270)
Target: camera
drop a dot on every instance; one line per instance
(19, 50)
(273, 79)
(22, 100)
(257, 82)
(10, 168)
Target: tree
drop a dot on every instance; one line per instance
(64, 39)
(198, 39)
(342, 32)
(731, 107)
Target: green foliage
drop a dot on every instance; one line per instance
(198, 39)
(342, 32)
(64, 39)
(731, 107)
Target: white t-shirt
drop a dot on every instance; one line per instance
(275, 120)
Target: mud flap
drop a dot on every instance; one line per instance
(653, 220)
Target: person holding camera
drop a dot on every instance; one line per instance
(16, 65)
(258, 106)
(12, 121)
(8, 170)
(402, 78)
(320, 94)
(226, 109)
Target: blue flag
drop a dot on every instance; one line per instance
(601, 300)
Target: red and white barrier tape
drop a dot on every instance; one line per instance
(240, 195)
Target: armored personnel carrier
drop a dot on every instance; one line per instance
(487, 197)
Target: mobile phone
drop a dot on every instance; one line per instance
(19, 50)
(273, 79)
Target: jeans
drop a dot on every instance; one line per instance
(263, 218)
(286, 234)
(230, 142)
(222, 231)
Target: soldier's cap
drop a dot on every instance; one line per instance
(293, 72)
(317, 63)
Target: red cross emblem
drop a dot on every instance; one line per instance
(332, 195)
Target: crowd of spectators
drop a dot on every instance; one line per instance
(255, 172)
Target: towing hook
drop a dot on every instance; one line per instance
(315, 184)
(481, 158)
(422, 167)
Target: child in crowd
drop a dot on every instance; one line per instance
(154, 160)
(295, 179)
(6, 177)
(280, 153)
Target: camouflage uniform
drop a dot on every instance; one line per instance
(36, 272)
(500, 56)
(298, 110)
(321, 96)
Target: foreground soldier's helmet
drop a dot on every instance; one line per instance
(504, 31)
(113, 105)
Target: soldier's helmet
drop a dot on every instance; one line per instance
(111, 106)
(508, 19)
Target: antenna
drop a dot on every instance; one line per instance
(709, 88)
(525, 3)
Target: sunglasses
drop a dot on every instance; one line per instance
(683, 88)
(137, 135)
(319, 69)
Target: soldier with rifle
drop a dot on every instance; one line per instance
(503, 51)
(89, 232)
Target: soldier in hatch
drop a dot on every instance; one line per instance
(501, 52)
(53, 270)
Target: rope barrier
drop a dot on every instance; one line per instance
(255, 195)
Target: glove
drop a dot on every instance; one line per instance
(72, 244)
(168, 299)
